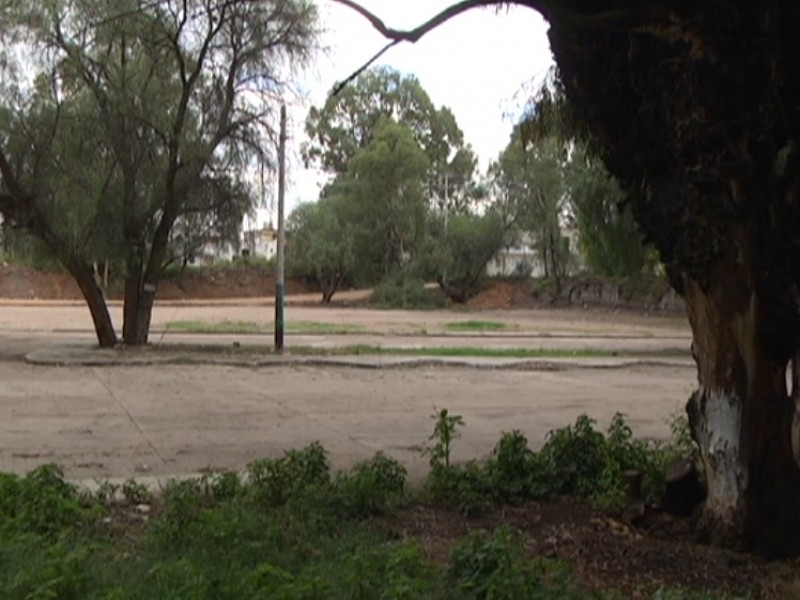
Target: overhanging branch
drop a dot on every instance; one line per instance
(649, 18)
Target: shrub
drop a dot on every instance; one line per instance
(276, 481)
(372, 487)
(571, 462)
(511, 468)
(404, 291)
(40, 503)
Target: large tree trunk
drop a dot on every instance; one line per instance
(137, 310)
(742, 416)
(142, 281)
(139, 296)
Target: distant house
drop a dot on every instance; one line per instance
(261, 243)
(214, 250)
(522, 258)
(518, 260)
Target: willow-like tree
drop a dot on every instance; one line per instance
(695, 108)
(140, 113)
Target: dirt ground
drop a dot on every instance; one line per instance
(157, 421)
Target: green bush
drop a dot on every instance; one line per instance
(511, 468)
(405, 291)
(276, 481)
(576, 460)
(372, 487)
(41, 503)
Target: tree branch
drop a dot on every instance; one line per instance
(343, 84)
(644, 18)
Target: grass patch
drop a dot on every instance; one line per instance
(220, 327)
(475, 325)
(249, 327)
(324, 328)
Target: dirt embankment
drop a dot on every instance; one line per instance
(255, 281)
(651, 295)
(240, 281)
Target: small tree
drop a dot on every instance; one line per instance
(321, 244)
(457, 250)
(529, 178)
(162, 101)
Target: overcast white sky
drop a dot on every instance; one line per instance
(480, 64)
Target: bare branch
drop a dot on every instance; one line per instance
(343, 84)
(643, 18)
(414, 35)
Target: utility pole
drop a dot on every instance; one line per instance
(279, 275)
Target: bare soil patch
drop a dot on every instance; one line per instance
(607, 554)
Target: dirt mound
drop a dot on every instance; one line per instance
(503, 293)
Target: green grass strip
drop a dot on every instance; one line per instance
(475, 325)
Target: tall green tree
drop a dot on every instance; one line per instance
(162, 102)
(608, 236)
(385, 183)
(530, 183)
(348, 122)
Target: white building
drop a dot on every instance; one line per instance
(260, 243)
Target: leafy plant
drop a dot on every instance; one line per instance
(444, 433)
(511, 467)
(41, 502)
(275, 481)
(372, 487)
(401, 290)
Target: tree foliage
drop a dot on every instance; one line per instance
(457, 249)
(321, 243)
(609, 238)
(349, 121)
(531, 187)
(142, 116)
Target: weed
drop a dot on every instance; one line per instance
(106, 493)
(136, 493)
(444, 432)
(41, 502)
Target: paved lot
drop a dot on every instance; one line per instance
(127, 420)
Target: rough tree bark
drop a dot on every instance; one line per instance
(741, 415)
(695, 108)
